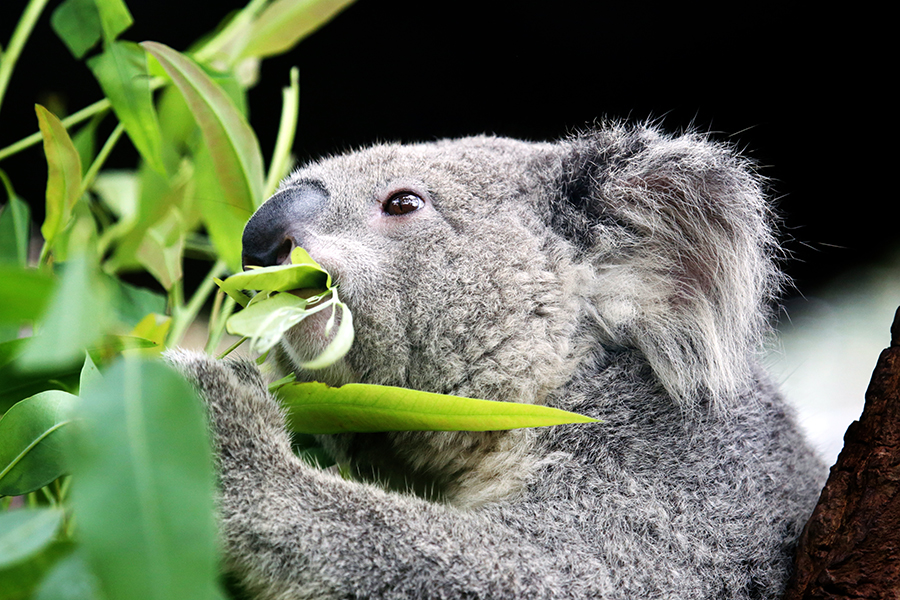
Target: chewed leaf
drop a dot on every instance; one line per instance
(268, 315)
(267, 320)
(319, 409)
(281, 278)
(341, 343)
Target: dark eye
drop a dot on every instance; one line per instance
(402, 203)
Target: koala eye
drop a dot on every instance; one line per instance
(402, 203)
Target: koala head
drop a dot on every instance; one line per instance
(491, 267)
(456, 283)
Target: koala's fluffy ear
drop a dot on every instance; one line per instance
(679, 232)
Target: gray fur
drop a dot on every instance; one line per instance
(622, 274)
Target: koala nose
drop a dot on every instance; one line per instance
(280, 224)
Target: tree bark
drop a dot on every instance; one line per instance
(850, 548)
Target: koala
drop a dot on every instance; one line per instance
(620, 273)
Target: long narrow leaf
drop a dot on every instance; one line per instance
(122, 72)
(143, 485)
(285, 22)
(63, 173)
(15, 225)
(319, 409)
(281, 157)
(233, 145)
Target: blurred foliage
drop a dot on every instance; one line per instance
(82, 398)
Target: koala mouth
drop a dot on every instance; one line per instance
(308, 293)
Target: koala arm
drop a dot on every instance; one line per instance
(293, 531)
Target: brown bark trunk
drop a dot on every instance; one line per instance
(850, 547)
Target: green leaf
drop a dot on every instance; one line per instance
(22, 580)
(15, 228)
(266, 321)
(25, 532)
(285, 22)
(130, 303)
(224, 221)
(69, 579)
(63, 173)
(302, 273)
(319, 409)
(123, 74)
(90, 374)
(162, 249)
(340, 344)
(85, 141)
(77, 316)
(143, 485)
(268, 316)
(33, 442)
(77, 23)
(281, 157)
(232, 144)
(120, 191)
(23, 293)
(114, 18)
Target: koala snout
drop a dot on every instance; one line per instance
(281, 224)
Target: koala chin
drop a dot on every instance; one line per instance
(621, 273)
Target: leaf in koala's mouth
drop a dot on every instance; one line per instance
(269, 314)
(319, 409)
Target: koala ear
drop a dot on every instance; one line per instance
(679, 235)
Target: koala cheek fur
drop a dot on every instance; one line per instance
(621, 273)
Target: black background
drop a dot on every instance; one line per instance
(801, 92)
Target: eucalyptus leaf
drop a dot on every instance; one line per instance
(302, 273)
(122, 72)
(340, 343)
(224, 221)
(15, 227)
(25, 532)
(77, 23)
(85, 141)
(90, 374)
(114, 18)
(143, 485)
(131, 304)
(267, 320)
(319, 409)
(21, 581)
(69, 579)
(162, 248)
(23, 293)
(63, 173)
(285, 22)
(76, 318)
(232, 144)
(33, 442)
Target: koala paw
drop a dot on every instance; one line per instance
(247, 423)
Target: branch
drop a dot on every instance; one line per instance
(850, 547)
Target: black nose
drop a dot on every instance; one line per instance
(281, 224)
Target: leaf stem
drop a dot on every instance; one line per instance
(232, 347)
(286, 129)
(88, 178)
(23, 29)
(219, 41)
